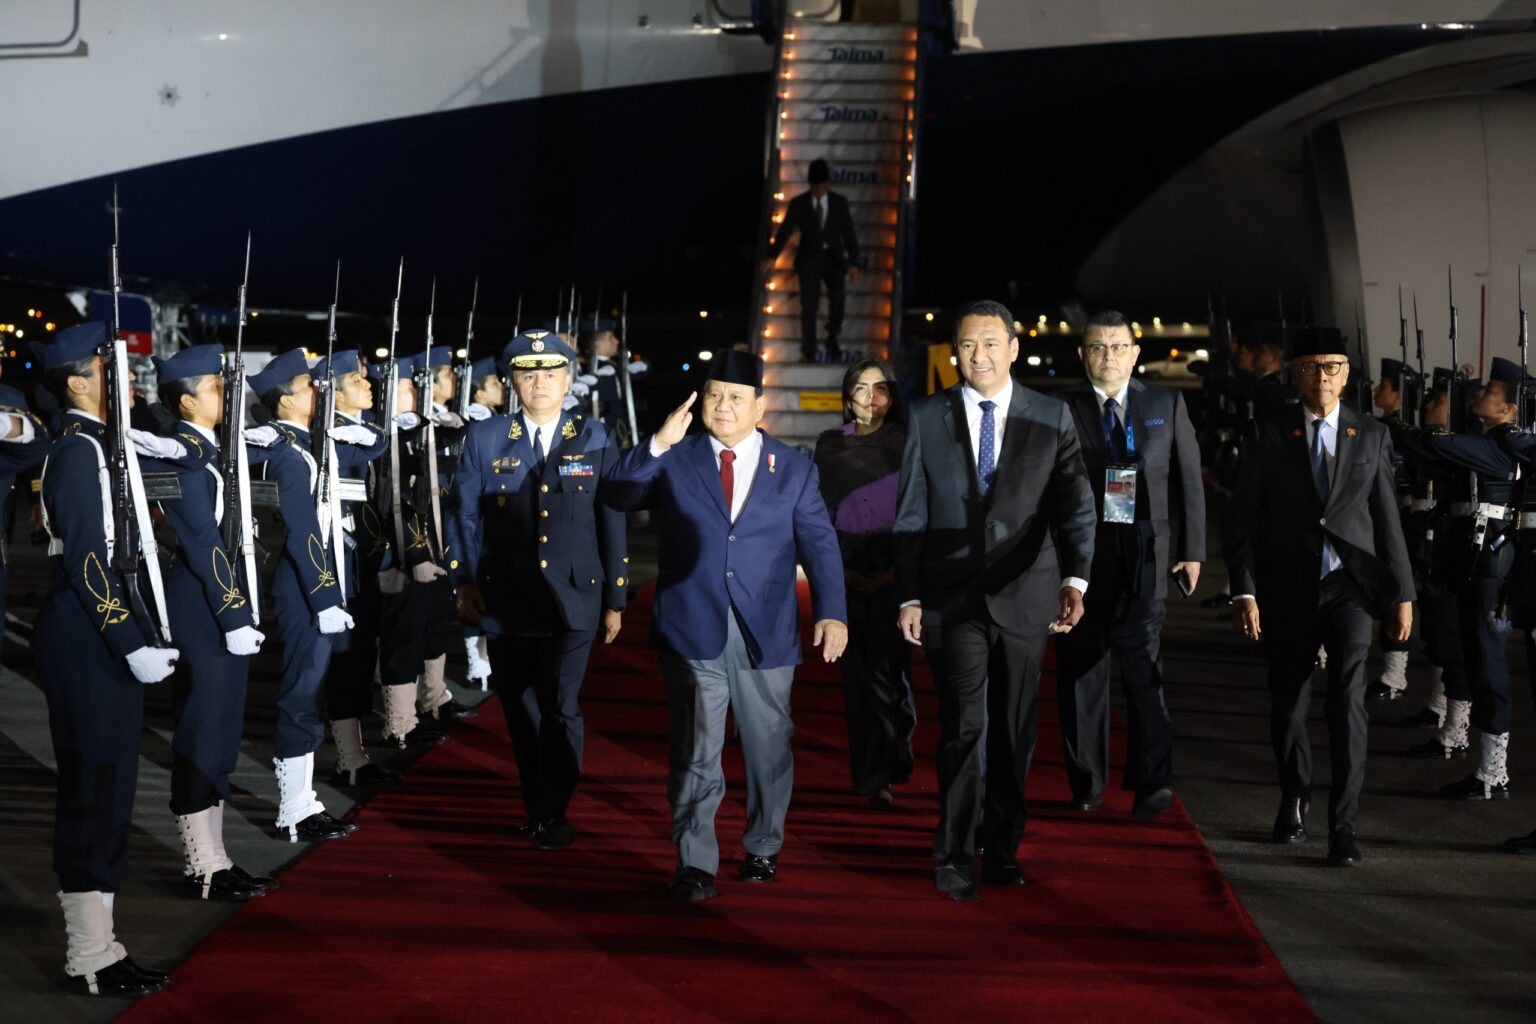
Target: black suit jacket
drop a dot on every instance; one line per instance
(1276, 546)
(842, 244)
(1005, 554)
(1170, 494)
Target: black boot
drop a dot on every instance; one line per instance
(1291, 821)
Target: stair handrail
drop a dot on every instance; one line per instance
(906, 195)
(761, 275)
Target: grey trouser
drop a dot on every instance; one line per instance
(698, 694)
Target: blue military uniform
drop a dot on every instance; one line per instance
(305, 594)
(206, 599)
(547, 557)
(86, 631)
(17, 456)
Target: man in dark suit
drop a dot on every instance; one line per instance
(1317, 542)
(736, 509)
(1140, 451)
(994, 541)
(828, 250)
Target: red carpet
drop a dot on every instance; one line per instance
(432, 912)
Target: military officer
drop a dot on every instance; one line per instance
(211, 620)
(542, 568)
(92, 652)
(307, 598)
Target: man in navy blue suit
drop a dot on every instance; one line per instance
(737, 509)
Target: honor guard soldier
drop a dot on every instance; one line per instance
(1387, 397)
(486, 398)
(214, 629)
(92, 652)
(307, 598)
(542, 569)
(603, 343)
(1520, 591)
(349, 681)
(1480, 532)
(433, 701)
(23, 446)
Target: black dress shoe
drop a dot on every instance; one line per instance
(1425, 716)
(1434, 748)
(1089, 803)
(755, 868)
(266, 882)
(1291, 821)
(956, 881)
(453, 711)
(370, 774)
(1002, 872)
(124, 978)
(527, 829)
(1522, 844)
(1343, 851)
(1154, 803)
(554, 834)
(882, 798)
(223, 886)
(319, 827)
(422, 737)
(691, 885)
(1474, 788)
(1381, 691)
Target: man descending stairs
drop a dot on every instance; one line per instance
(846, 96)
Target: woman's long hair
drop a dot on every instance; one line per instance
(896, 413)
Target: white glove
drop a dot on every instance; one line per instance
(638, 366)
(426, 572)
(570, 402)
(8, 422)
(261, 437)
(335, 620)
(391, 581)
(407, 420)
(154, 446)
(478, 412)
(152, 664)
(245, 640)
(607, 370)
(447, 419)
(479, 668)
(579, 389)
(353, 433)
(586, 380)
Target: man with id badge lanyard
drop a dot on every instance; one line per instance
(1143, 461)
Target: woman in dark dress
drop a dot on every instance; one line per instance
(859, 465)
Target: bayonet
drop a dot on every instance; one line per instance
(237, 528)
(327, 487)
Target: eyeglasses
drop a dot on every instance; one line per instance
(1331, 368)
(1117, 349)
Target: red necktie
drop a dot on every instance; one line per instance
(727, 477)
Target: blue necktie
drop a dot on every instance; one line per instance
(1114, 433)
(1320, 460)
(987, 462)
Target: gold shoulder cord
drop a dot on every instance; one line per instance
(317, 559)
(108, 605)
(195, 441)
(224, 576)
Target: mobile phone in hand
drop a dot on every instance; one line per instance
(1181, 580)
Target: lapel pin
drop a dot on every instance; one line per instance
(770, 462)
(1350, 431)
(1296, 432)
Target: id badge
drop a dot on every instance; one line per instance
(1120, 494)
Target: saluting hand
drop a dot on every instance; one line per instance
(1071, 610)
(832, 637)
(676, 427)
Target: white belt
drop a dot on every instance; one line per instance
(1481, 508)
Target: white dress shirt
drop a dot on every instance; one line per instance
(749, 452)
(1330, 561)
(544, 435)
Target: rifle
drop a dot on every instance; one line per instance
(427, 474)
(1458, 379)
(388, 409)
(597, 405)
(1454, 392)
(236, 526)
(1522, 414)
(132, 544)
(629, 395)
(508, 396)
(1365, 366)
(327, 498)
(1404, 409)
(462, 372)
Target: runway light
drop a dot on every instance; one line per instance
(21, 334)
(1035, 361)
(31, 312)
(1062, 325)
(255, 313)
(703, 314)
(1034, 333)
(928, 317)
(1185, 325)
(1017, 327)
(1201, 353)
(50, 325)
(1157, 321)
(1173, 353)
(1042, 319)
(1138, 333)
(705, 355)
(462, 353)
(381, 353)
(687, 367)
